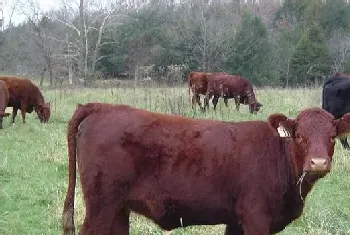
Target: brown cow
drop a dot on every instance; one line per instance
(197, 82)
(231, 86)
(4, 98)
(26, 96)
(179, 171)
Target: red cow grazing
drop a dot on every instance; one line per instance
(26, 96)
(231, 86)
(4, 98)
(179, 171)
(197, 82)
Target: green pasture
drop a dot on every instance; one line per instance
(33, 162)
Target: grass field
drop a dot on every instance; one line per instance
(33, 162)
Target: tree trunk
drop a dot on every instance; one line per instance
(86, 77)
(97, 47)
(70, 74)
(42, 77)
(81, 40)
(136, 75)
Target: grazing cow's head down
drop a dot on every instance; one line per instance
(313, 132)
(255, 107)
(44, 112)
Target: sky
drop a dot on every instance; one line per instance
(18, 17)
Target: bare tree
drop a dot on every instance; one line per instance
(210, 29)
(93, 17)
(41, 35)
(6, 25)
(339, 49)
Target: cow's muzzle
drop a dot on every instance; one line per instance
(318, 165)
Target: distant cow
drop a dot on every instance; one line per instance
(231, 86)
(179, 171)
(4, 98)
(336, 99)
(26, 96)
(198, 82)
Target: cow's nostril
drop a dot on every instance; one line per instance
(318, 161)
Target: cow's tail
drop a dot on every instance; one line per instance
(82, 112)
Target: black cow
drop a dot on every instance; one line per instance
(336, 99)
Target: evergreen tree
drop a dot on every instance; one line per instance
(311, 60)
(336, 16)
(252, 54)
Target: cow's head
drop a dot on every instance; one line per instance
(43, 111)
(255, 107)
(313, 133)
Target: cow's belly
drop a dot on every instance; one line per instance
(170, 215)
(172, 207)
(194, 215)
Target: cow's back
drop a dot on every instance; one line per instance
(22, 89)
(230, 85)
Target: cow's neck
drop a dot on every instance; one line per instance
(302, 183)
(40, 100)
(251, 97)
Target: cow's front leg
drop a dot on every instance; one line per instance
(215, 101)
(233, 230)
(226, 102)
(256, 223)
(237, 102)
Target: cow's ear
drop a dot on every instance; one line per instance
(343, 125)
(284, 126)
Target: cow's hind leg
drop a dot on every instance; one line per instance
(103, 194)
(0, 122)
(14, 114)
(344, 143)
(105, 218)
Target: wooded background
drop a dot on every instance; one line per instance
(294, 43)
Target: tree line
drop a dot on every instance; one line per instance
(297, 43)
